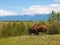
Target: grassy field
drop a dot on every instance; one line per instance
(32, 40)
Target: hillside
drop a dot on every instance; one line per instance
(36, 17)
(32, 40)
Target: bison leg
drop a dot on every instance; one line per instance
(30, 31)
(36, 33)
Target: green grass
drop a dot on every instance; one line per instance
(32, 40)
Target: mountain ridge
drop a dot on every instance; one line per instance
(36, 17)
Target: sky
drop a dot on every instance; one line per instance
(28, 7)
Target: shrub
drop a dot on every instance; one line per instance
(8, 30)
(15, 29)
(53, 29)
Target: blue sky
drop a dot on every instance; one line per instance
(28, 7)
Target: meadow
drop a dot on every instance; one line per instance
(11, 34)
(32, 40)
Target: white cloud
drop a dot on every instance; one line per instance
(54, 5)
(7, 13)
(41, 9)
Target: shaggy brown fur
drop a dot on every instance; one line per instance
(37, 28)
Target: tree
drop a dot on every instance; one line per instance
(54, 22)
(54, 17)
(58, 16)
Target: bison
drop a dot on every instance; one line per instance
(37, 28)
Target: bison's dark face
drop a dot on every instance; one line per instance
(36, 29)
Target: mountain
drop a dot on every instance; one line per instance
(36, 17)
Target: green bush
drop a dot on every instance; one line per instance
(53, 28)
(8, 30)
(15, 29)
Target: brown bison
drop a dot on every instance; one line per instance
(37, 28)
